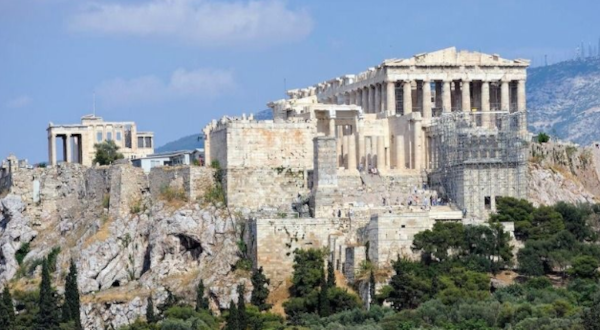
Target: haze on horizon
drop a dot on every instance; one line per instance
(173, 65)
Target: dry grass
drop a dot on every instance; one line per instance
(101, 235)
(25, 284)
(340, 282)
(278, 296)
(507, 276)
(115, 295)
(184, 280)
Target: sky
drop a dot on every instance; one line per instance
(173, 65)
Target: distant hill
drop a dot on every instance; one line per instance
(191, 142)
(563, 100)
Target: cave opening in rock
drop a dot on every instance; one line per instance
(191, 245)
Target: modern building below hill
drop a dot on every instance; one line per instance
(78, 140)
(182, 157)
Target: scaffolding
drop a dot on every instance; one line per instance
(476, 157)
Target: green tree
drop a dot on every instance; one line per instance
(71, 307)
(585, 267)
(241, 307)
(591, 315)
(107, 152)
(372, 288)
(519, 211)
(308, 271)
(330, 275)
(436, 243)
(407, 291)
(232, 318)
(575, 220)
(260, 290)
(48, 317)
(150, 316)
(201, 302)
(545, 224)
(7, 301)
(5, 321)
(324, 308)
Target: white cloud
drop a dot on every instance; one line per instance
(201, 83)
(206, 23)
(19, 102)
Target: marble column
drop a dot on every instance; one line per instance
(370, 98)
(68, 150)
(345, 153)
(351, 152)
(485, 103)
(380, 153)
(466, 95)
(365, 99)
(504, 96)
(331, 126)
(446, 98)
(407, 97)
(52, 157)
(390, 102)
(377, 107)
(340, 155)
(426, 99)
(400, 162)
(521, 100)
(361, 150)
(417, 145)
(368, 152)
(372, 92)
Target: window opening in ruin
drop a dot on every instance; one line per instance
(118, 137)
(99, 136)
(140, 143)
(487, 201)
(128, 138)
(403, 226)
(108, 136)
(148, 142)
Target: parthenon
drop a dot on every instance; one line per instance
(78, 140)
(401, 117)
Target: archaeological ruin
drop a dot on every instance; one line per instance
(373, 158)
(78, 140)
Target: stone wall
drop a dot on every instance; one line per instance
(276, 240)
(391, 236)
(265, 187)
(193, 180)
(259, 144)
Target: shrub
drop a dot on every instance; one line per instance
(106, 201)
(22, 253)
(107, 152)
(171, 194)
(543, 137)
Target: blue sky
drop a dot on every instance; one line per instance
(172, 65)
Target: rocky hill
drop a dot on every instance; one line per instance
(130, 236)
(563, 100)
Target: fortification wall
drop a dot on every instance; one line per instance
(391, 236)
(276, 240)
(249, 144)
(265, 187)
(193, 180)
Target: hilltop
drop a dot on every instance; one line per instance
(563, 99)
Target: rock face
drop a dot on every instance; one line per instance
(562, 172)
(127, 244)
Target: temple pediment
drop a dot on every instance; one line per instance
(450, 56)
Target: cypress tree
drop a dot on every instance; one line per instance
(48, 317)
(4, 318)
(372, 288)
(324, 308)
(150, 317)
(330, 275)
(71, 307)
(201, 302)
(232, 318)
(260, 290)
(241, 309)
(8, 305)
